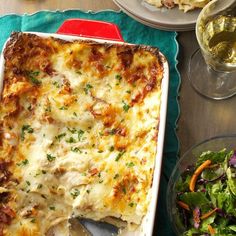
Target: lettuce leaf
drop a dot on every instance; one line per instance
(195, 199)
(231, 180)
(206, 222)
(183, 184)
(215, 157)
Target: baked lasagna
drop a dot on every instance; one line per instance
(78, 132)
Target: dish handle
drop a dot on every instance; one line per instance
(91, 29)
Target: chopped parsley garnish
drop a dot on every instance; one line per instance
(75, 114)
(33, 220)
(60, 136)
(75, 149)
(131, 204)
(24, 129)
(119, 155)
(100, 151)
(111, 149)
(73, 131)
(78, 72)
(116, 176)
(50, 157)
(29, 107)
(44, 172)
(128, 91)
(100, 181)
(43, 196)
(126, 107)
(63, 108)
(71, 140)
(112, 131)
(56, 84)
(27, 182)
(80, 134)
(124, 189)
(23, 163)
(118, 77)
(34, 73)
(52, 208)
(48, 109)
(32, 77)
(87, 88)
(37, 173)
(75, 193)
(88, 191)
(39, 186)
(130, 164)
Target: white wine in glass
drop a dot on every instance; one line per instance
(212, 69)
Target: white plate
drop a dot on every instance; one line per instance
(153, 25)
(163, 18)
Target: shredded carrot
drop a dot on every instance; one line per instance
(183, 205)
(197, 172)
(206, 215)
(211, 230)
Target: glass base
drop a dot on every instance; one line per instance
(208, 82)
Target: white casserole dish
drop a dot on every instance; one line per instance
(146, 228)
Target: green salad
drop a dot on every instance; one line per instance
(206, 195)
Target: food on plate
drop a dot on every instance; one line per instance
(185, 5)
(79, 124)
(206, 195)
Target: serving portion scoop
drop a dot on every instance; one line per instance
(85, 227)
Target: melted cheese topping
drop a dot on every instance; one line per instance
(78, 124)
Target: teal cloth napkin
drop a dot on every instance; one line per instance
(133, 32)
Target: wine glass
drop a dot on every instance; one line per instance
(212, 68)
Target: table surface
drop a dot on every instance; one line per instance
(200, 118)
